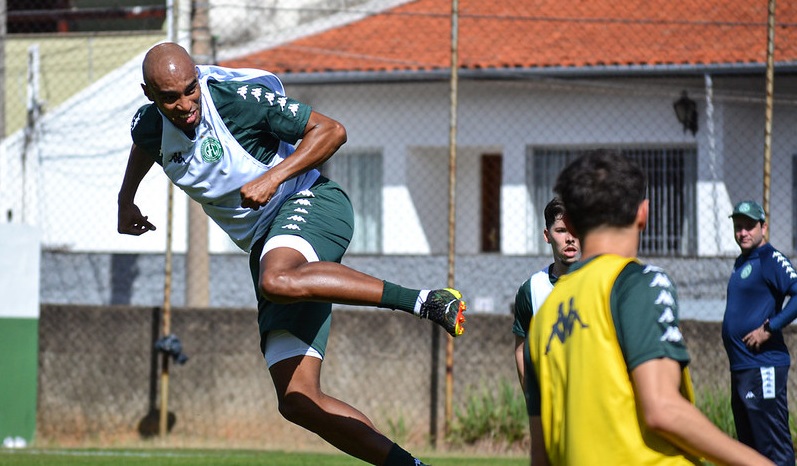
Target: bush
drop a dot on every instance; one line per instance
(488, 415)
(715, 403)
(500, 415)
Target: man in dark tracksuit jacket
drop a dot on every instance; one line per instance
(762, 277)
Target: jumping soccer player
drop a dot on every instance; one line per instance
(225, 137)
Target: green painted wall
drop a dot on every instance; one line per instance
(19, 343)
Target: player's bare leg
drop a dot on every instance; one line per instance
(286, 276)
(301, 401)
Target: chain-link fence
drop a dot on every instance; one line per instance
(537, 85)
(679, 86)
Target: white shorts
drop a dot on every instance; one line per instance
(281, 345)
(290, 241)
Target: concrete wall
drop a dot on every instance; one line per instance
(98, 375)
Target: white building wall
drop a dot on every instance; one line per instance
(782, 223)
(410, 122)
(745, 121)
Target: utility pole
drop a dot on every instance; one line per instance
(3, 34)
(770, 80)
(197, 258)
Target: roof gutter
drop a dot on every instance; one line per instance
(601, 71)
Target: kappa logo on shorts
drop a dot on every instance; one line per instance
(297, 218)
(304, 202)
(768, 382)
(291, 226)
(211, 150)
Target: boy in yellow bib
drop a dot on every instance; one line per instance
(608, 382)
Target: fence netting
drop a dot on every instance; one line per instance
(681, 87)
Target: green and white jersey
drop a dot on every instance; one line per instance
(529, 298)
(247, 126)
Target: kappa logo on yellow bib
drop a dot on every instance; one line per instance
(211, 150)
(565, 323)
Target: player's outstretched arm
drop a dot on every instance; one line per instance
(130, 220)
(666, 411)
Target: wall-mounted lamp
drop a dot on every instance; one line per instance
(686, 112)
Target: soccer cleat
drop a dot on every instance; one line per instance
(446, 308)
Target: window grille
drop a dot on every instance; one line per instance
(672, 180)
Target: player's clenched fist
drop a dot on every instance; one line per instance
(258, 192)
(131, 222)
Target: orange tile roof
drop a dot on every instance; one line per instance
(517, 34)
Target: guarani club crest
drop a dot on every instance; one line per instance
(211, 150)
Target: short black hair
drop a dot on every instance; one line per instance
(602, 187)
(554, 210)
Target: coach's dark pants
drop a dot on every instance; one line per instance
(761, 412)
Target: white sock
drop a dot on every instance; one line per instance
(419, 302)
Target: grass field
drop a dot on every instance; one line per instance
(43, 457)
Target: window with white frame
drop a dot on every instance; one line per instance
(672, 180)
(359, 172)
